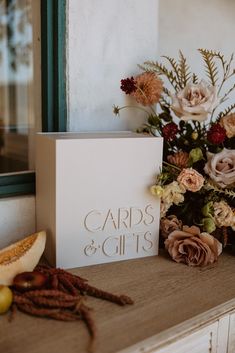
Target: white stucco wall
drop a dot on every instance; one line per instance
(17, 218)
(189, 25)
(106, 41)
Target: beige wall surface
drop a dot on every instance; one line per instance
(17, 218)
(106, 41)
(188, 25)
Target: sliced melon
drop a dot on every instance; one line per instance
(21, 256)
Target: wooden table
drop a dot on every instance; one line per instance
(168, 297)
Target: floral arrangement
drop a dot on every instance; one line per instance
(197, 180)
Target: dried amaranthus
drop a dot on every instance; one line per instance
(62, 298)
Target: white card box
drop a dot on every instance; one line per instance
(93, 198)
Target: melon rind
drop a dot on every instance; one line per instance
(26, 261)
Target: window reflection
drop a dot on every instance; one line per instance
(16, 76)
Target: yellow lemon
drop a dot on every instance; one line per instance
(6, 297)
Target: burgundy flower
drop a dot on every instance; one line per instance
(169, 131)
(128, 85)
(216, 134)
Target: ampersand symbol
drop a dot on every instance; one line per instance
(90, 249)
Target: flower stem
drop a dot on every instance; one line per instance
(171, 165)
(143, 93)
(135, 107)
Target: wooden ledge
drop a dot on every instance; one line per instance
(170, 300)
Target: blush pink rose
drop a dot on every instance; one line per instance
(193, 248)
(191, 179)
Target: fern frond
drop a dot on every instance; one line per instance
(175, 67)
(184, 69)
(215, 54)
(167, 92)
(164, 101)
(228, 65)
(210, 65)
(226, 111)
(194, 78)
(210, 186)
(160, 69)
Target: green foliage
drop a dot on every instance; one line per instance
(226, 111)
(210, 65)
(210, 186)
(178, 73)
(161, 69)
(184, 70)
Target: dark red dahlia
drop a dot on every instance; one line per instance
(128, 85)
(169, 131)
(216, 134)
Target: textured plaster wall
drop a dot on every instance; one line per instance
(106, 41)
(189, 25)
(17, 218)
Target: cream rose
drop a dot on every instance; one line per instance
(190, 179)
(223, 214)
(193, 248)
(221, 167)
(195, 101)
(228, 123)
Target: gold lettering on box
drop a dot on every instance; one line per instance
(90, 249)
(88, 221)
(109, 218)
(147, 209)
(136, 216)
(137, 236)
(123, 218)
(150, 243)
(107, 243)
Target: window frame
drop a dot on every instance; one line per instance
(53, 92)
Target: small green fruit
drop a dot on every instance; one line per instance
(6, 298)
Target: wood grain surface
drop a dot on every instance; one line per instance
(166, 294)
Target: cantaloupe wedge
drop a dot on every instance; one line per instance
(21, 256)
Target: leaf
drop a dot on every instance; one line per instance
(160, 69)
(164, 101)
(175, 68)
(167, 92)
(209, 185)
(216, 54)
(184, 70)
(210, 65)
(226, 111)
(195, 78)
